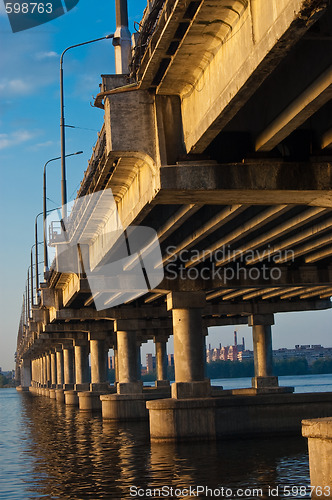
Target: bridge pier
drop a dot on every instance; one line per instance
(59, 394)
(189, 355)
(26, 374)
(129, 402)
(319, 434)
(68, 367)
(48, 370)
(190, 413)
(81, 356)
(90, 400)
(161, 362)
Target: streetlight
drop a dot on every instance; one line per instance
(62, 125)
(44, 205)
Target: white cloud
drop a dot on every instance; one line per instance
(46, 55)
(14, 86)
(15, 138)
(41, 145)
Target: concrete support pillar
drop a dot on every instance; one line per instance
(127, 361)
(26, 373)
(53, 370)
(59, 367)
(98, 350)
(68, 367)
(263, 355)
(139, 361)
(319, 434)
(44, 370)
(48, 371)
(161, 362)
(39, 371)
(188, 345)
(116, 362)
(81, 348)
(33, 373)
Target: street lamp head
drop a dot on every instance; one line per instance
(79, 153)
(109, 36)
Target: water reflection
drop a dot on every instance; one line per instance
(74, 456)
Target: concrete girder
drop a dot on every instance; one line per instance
(322, 254)
(258, 183)
(257, 293)
(304, 106)
(257, 222)
(292, 224)
(326, 142)
(224, 216)
(247, 308)
(287, 277)
(310, 247)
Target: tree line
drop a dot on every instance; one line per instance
(6, 382)
(239, 369)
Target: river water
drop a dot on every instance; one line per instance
(51, 451)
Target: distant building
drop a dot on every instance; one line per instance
(223, 353)
(310, 352)
(232, 353)
(170, 358)
(150, 363)
(111, 363)
(245, 355)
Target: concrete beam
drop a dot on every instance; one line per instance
(306, 104)
(282, 277)
(326, 142)
(261, 183)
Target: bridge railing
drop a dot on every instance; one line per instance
(151, 17)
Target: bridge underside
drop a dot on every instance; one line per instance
(221, 143)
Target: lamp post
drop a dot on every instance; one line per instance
(62, 125)
(45, 208)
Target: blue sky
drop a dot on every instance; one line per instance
(29, 136)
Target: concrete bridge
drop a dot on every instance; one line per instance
(217, 136)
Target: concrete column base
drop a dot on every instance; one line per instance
(68, 387)
(82, 387)
(182, 420)
(130, 388)
(22, 389)
(47, 393)
(185, 390)
(263, 382)
(252, 391)
(102, 387)
(71, 398)
(124, 407)
(89, 401)
(52, 394)
(319, 434)
(60, 395)
(162, 383)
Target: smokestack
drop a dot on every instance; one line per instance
(244, 346)
(122, 38)
(235, 338)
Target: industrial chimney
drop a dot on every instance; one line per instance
(235, 338)
(122, 39)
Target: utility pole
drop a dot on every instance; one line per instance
(122, 38)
